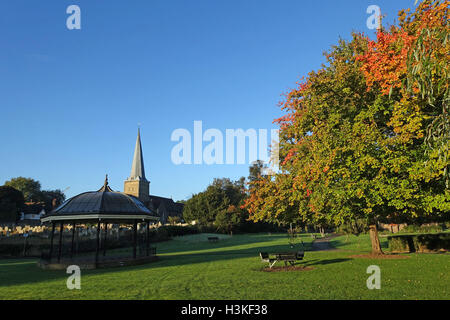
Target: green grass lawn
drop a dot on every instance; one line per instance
(192, 268)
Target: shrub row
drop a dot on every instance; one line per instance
(245, 227)
(14, 246)
(175, 231)
(424, 228)
(419, 242)
(35, 246)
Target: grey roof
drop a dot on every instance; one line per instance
(170, 205)
(104, 202)
(137, 168)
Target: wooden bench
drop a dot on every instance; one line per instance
(287, 257)
(213, 239)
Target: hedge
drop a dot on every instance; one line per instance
(425, 242)
(175, 231)
(36, 246)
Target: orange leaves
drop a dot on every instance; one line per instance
(289, 156)
(435, 14)
(347, 150)
(385, 62)
(292, 105)
(285, 120)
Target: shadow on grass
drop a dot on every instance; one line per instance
(317, 262)
(237, 240)
(25, 271)
(362, 245)
(305, 263)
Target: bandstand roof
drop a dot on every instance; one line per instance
(105, 205)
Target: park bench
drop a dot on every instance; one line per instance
(213, 239)
(286, 257)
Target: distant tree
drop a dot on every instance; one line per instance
(11, 201)
(228, 220)
(51, 198)
(354, 227)
(30, 188)
(218, 197)
(256, 171)
(173, 220)
(196, 209)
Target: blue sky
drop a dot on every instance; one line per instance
(70, 100)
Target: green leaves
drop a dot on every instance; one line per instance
(11, 201)
(218, 197)
(375, 154)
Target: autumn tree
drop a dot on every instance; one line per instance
(352, 142)
(410, 64)
(428, 76)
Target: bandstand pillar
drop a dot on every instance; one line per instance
(98, 243)
(134, 238)
(74, 226)
(61, 230)
(147, 238)
(51, 241)
(104, 239)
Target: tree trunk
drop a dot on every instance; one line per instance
(376, 247)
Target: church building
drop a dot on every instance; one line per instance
(137, 185)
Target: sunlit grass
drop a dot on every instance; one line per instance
(191, 267)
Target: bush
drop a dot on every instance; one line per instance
(14, 246)
(423, 228)
(11, 249)
(38, 246)
(206, 228)
(175, 231)
(173, 220)
(257, 227)
(419, 242)
(244, 227)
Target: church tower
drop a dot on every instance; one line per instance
(137, 185)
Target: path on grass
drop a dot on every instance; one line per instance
(323, 244)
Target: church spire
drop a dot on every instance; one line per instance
(137, 168)
(137, 184)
